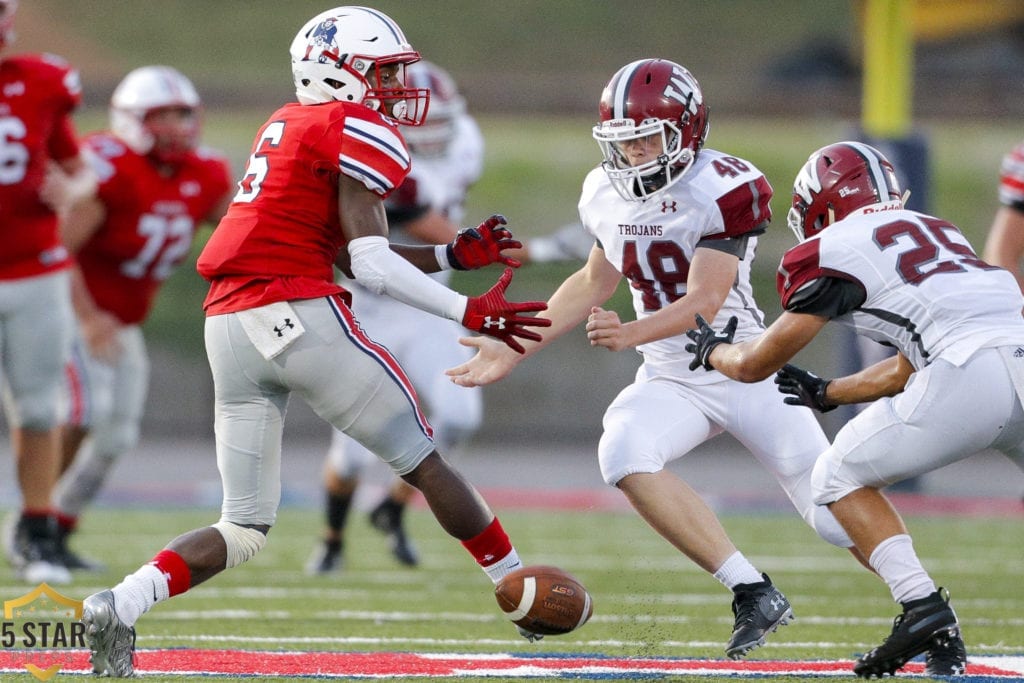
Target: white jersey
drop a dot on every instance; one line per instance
(906, 279)
(442, 182)
(652, 244)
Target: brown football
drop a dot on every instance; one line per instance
(544, 600)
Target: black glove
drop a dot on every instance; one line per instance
(706, 339)
(805, 388)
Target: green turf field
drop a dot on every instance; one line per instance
(649, 600)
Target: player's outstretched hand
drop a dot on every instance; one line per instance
(706, 339)
(480, 246)
(804, 388)
(493, 361)
(492, 314)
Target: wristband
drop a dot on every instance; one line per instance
(441, 254)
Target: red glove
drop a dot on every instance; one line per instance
(480, 246)
(493, 315)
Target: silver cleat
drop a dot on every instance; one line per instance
(112, 643)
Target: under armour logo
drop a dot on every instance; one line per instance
(286, 324)
(778, 602)
(489, 323)
(1019, 353)
(667, 206)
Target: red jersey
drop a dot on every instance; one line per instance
(282, 232)
(37, 95)
(150, 222)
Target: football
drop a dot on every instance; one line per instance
(544, 600)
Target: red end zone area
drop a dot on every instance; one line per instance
(258, 664)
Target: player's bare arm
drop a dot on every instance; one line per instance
(67, 182)
(1004, 246)
(572, 302)
(887, 377)
(755, 359)
(712, 273)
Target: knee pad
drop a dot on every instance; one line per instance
(828, 528)
(242, 543)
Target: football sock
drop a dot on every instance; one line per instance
(736, 570)
(337, 511)
(493, 551)
(138, 592)
(165, 575)
(896, 562)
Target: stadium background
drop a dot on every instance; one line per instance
(781, 78)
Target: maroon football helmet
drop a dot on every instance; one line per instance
(837, 180)
(650, 97)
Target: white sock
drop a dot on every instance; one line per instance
(137, 594)
(736, 570)
(505, 565)
(896, 562)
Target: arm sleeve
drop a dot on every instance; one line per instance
(381, 270)
(829, 297)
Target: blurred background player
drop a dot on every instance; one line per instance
(1005, 243)
(312, 197)
(156, 186)
(680, 223)
(42, 174)
(428, 208)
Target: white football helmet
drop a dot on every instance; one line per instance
(145, 90)
(338, 54)
(446, 105)
(8, 8)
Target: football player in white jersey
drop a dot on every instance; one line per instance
(448, 159)
(955, 387)
(1005, 244)
(680, 223)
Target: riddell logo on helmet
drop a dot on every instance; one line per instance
(895, 205)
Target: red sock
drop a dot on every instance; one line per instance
(174, 567)
(67, 522)
(490, 545)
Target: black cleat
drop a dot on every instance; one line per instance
(73, 560)
(326, 558)
(925, 623)
(760, 608)
(387, 519)
(947, 655)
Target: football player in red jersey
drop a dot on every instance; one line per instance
(156, 185)
(42, 173)
(428, 207)
(312, 196)
(955, 387)
(680, 222)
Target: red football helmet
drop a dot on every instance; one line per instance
(650, 97)
(836, 181)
